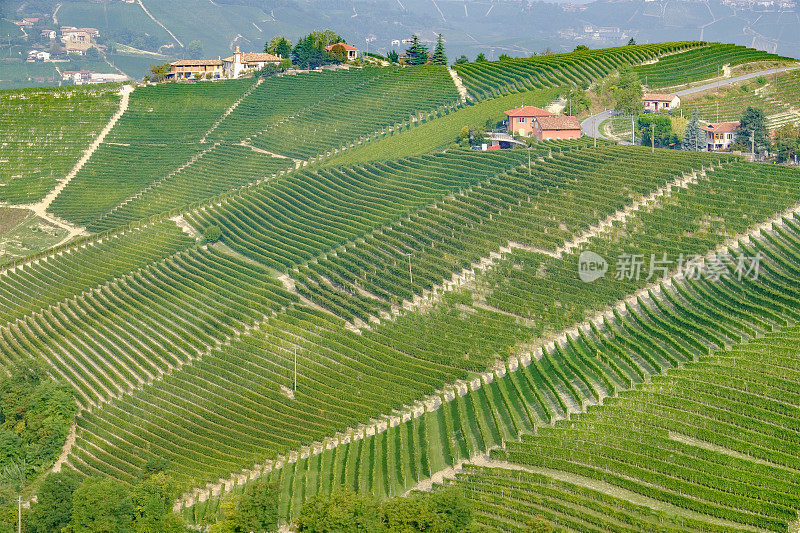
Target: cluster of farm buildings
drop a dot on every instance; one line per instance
(531, 121)
(239, 64)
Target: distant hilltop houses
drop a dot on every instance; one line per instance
(231, 67)
(240, 64)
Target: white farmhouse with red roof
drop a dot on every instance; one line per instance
(660, 102)
(235, 65)
(349, 52)
(720, 135)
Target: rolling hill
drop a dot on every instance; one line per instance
(305, 278)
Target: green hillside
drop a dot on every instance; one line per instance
(313, 279)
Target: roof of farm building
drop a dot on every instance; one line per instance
(255, 57)
(528, 111)
(721, 127)
(341, 45)
(561, 122)
(196, 62)
(658, 97)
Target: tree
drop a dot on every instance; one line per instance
(212, 233)
(439, 57)
(481, 58)
(628, 92)
(93, 54)
(309, 54)
(258, 506)
(694, 138)
(461, 60)
(753, 130)
(342, 511)
(158, 72)
(393, 57)
(787, 142)
(194, 50)
(631, 42)
(417, 53)
(664, 136)
(279, 46)
(152, 506)
(324, 38)
(36, 413)
(53, 509)
(101, 506)
(581, 48)
(577, 101)
(504, 57)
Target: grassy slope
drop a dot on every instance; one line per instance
(441, 132)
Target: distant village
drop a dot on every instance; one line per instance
(69, 40)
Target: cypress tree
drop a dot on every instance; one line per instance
(417, 53)
(693, 138)
(439, 57)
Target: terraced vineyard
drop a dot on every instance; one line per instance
(154, 159)
(492, 78)
(702, 63)
(713, 438)
(669, 326)
(385, 311)
(777, 98)
(42, 135)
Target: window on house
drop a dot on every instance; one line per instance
(522, 119)
(666, 104)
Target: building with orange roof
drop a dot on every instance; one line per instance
(557, 127)
(720, 135)
(349, 52)
(660, 101)
(521, 120)
(193, 69)
(239, 63)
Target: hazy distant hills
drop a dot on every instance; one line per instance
(470, 27)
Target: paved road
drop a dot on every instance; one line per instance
(591, 126)
(593, 130)
(728, 81)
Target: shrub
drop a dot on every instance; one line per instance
(212, 233)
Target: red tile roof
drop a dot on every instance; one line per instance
(196, 63)
(721, 127)
(341, 45)
(658, 97)
(528, 111)
(255, 57)
(561, 122)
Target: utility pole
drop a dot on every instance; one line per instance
(653, 138)
(753, 143)
(410, 275)
(19, 513)
(633, 131)
(529, 161)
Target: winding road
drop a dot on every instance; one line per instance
(591, 125)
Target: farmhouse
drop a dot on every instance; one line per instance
(194, 68)
(720, 135)
(239, 63)
(78, 35)
(38, 55)
(660, 102)
(350, 53)
(521, 119)
(557, 127)
(50, 34)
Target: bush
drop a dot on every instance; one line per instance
(212, 233)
